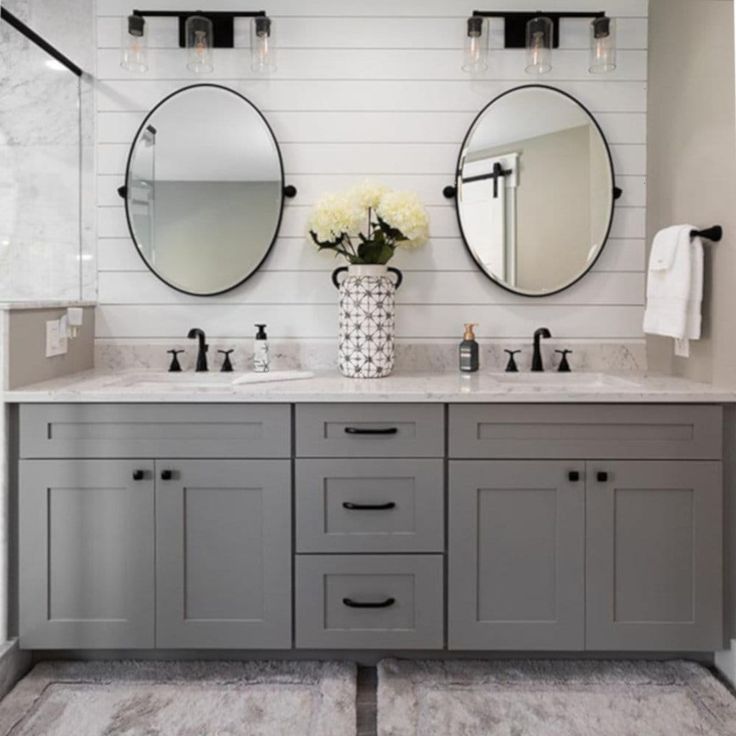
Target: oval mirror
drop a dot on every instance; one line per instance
(535, 190)
(204, 189)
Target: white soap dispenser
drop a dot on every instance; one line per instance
(261, 358)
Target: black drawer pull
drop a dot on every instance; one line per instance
(350, 603)
(167, 474)
(367, 430)
(139, 474)
(573, 476)
(368, 506)
(602, 476)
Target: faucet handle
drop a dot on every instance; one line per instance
(227, 366)
(174, 367)
(511, 366)
(564, 366)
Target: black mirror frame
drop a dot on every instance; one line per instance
(452, 191)
(286, 191)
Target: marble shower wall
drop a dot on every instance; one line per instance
(47, 234)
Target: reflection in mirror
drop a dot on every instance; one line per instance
(204, 189)
(535, 190)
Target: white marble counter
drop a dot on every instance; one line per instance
(329, 386)
(45, 304)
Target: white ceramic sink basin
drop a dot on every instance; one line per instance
(199, 381)
(563, 380)
(154, 381)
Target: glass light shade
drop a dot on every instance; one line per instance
(262, 46)
(602, 45)
(475, 55)
(539, 45)
(198, 33)
(133, 44)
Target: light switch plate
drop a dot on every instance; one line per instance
(56, 343)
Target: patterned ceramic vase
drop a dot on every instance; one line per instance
(366, 341)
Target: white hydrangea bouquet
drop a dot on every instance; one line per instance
(367, 223)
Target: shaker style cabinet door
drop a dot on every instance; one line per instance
(86, 554)
(516, 555)
(654, 556)
(223, 554)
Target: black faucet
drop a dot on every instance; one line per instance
(537, 365)
(202, 352)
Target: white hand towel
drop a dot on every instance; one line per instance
(675, 284)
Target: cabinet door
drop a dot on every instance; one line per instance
(86, 530)
(516, 555)
(223, 554)
(654, 558)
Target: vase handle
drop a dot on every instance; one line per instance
(335, 275)
(399, 276)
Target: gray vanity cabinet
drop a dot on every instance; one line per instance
(516, 555)
(86, 532)
(223, 554)
(654, 556)
(601, 555)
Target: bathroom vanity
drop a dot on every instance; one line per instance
(412, 513)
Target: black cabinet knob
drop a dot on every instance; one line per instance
(602, 476)
(573, 476)
(139, 474)
(167, 474)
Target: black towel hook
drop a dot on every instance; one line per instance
(714, 234)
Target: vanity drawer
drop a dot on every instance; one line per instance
(155, 430)
(369, 602)
(369, 506)
(684, 432)
(370, 430)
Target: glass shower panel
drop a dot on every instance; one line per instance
(40, 174)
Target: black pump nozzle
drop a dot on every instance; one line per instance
(261, 334)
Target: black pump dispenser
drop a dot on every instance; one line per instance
(261, 334)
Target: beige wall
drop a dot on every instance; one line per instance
(692, 164)
(27, 361)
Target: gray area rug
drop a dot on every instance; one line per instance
(552, 698)
(183, 699)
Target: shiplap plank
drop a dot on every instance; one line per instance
(370, 96)
(372, 127)
(320, 321)
(376, 64)
(439, 254)
(379, 33)
(421, 287)
(628, 222)
(373, 158)
(382, 8)
(310, 187)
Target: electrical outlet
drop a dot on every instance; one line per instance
(56, 343)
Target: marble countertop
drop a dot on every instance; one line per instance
(46, 304)
(329, 386)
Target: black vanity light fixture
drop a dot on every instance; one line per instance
(538, 33)
(199, 32)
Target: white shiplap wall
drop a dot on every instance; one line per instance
(372, 87)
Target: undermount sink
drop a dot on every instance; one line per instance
(198, 381)
(155, 381)
(558, 380)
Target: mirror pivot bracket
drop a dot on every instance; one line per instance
(449, 192)
(290, 191)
